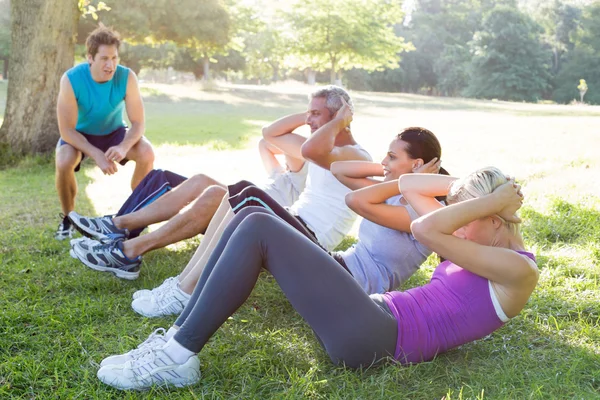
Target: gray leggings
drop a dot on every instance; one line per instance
(354, 329)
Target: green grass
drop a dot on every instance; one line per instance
(58, 319)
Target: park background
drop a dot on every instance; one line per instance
(499, 82)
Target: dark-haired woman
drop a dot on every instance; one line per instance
(487, 279)
(386, 253)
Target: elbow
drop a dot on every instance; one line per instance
(335, 169)
(402, 184)
(422, 230)
(267, 132)
(352, 201)
(312, 152)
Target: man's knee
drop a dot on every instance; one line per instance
(214, 194)
(66, 159)
(142, 152)
(202, 182)
(208, 201)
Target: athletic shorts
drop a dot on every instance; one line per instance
(285, 188)
(103, 142)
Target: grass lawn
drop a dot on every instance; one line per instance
(59, 319)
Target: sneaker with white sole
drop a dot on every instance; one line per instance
(65, 229)
(156, 339)
(152, 368)
(78, 240)
(107, 257)
(102, 229)
(166, 285)
(170, 301)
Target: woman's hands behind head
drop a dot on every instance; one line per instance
(511, 199)
(432, 167)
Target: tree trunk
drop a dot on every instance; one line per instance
(275, 76)
(206, 75)
(43, 38)
(311, 77)
(332, 72)
(338, 79)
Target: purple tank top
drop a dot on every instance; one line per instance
(454, 308)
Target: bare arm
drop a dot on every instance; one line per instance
(267, 155)
(280, 134)
(320, 148)
(369, 202)
(135, 112)
(66, 110)
(356, 174)
(435, 230)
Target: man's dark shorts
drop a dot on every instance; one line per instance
(103, 142)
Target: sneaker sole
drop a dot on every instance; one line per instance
(130, 276)
(180, 384)
(148, 315)
(88, 232)
(155, 385)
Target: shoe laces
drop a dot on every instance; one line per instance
(63, 219)
(166, 287)
(103, 247)
(148, 344)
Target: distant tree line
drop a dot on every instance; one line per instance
(496, 49)
(519, 50)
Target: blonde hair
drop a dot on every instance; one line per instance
(478, 184)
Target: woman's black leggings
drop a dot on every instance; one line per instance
(245, 194)
(353, 328)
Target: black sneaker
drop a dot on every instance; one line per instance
(108, 257)
(65, 229)
(100, 228)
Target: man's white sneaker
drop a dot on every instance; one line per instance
(167, 302)
(165, 286)
(156, 339)
(149, 369)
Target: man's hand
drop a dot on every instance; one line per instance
(344, 114)
(116, 153)
(107, 166)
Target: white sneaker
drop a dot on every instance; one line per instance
(74, 242)
(156, 339)
(167, 302)
(151, 368)
(165, 286)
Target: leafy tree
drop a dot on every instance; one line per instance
(452, 70)
(583, 61)
(560, 21)
(440, 30)
(510, 62)
(339, 35)
(201, 27)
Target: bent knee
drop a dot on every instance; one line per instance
(142, 152)
(215, 193)
(202, 182)
(66, 159)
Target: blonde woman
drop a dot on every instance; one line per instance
(486, 280)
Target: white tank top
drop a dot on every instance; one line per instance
(323, 208)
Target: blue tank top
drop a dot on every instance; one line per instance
(100, 105)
